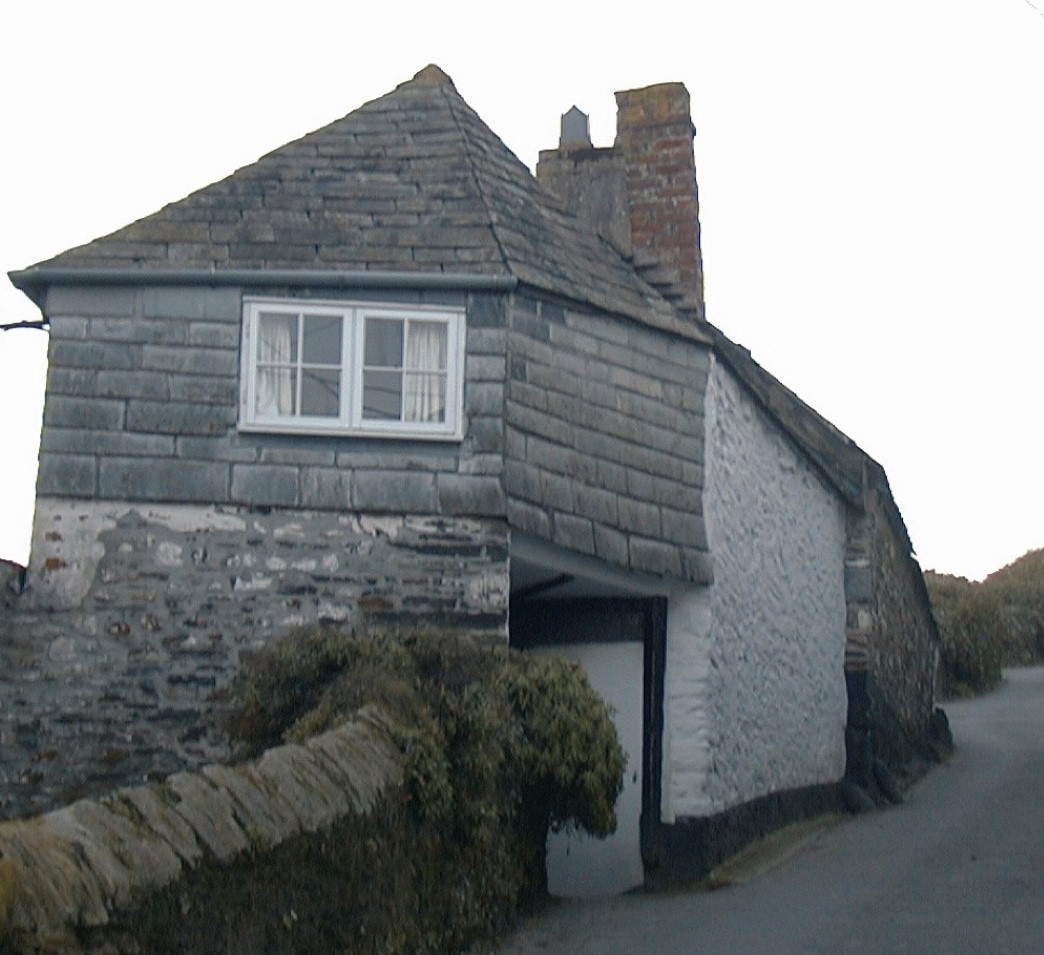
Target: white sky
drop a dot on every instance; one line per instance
(871, 183)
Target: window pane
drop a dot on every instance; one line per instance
(276, 391)
(382, 395)
(427, 347)
(277, 338)
(322, 340)
(383, 343)
(425, 396)
(321, 391)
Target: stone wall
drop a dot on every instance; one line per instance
(95, 876)
(755, 695)
(604, 438)
(903, 654)
(157, 602)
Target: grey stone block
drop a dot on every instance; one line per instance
(485, 368)
(193, 303)
(600, 326)
(528, 518)
(290, 453)
(86, 354)
(486, 341)
(547, 425)
(596, 391)
(487, 464)
(142, 479)
(116, 443)
(657, 490)
(394, 491)
(485, 435)
(214, 334)
(96, 414)
(532, 327)
(697, 566)
(681, 527)
(487, 311)
(196, 361)
(132, 384)
(72, 475)
(484, 398)
(205, 389)
(639, 518)
(264, 484)
(568, 338)
(327, 488)
(475, 496)
(523, 480)
(531, 350)
(611, 545)
(169, 417)
(549, 456)
(90, 300)
(71, 381)
(596, 503)
(611, 476)
(692, 474)
(137, 330)
(514, 443)
(655, 557)
(521, 394)
(556, 492)
(574, 533)
(66, 327)
(225, 447)
(381, 456)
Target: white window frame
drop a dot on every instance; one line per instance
(350, 420)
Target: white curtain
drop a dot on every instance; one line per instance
(424, 387)
(275, 385)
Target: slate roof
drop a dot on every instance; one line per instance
(411, 182)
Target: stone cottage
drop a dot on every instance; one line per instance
(384, 375)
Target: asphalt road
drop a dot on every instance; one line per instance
(957, 868)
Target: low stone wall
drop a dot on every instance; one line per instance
(109, 875)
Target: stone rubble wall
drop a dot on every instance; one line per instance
(115, 664)
(72, 877)
(903, 656)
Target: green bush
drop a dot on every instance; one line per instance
(499, 746)
(984, 626)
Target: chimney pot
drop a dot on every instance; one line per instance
(576, 129)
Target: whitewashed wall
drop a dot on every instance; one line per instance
(755, 692)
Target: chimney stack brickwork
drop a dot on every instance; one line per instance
(641, 194)
(654, 134)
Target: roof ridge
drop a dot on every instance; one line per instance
(453, 103)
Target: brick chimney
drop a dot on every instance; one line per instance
(640, 194)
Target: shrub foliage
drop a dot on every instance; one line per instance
(499, 746)
(984, 626)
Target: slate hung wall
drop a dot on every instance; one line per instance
(604, 438)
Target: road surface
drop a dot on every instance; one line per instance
(958, 868)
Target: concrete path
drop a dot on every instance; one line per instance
(958, 868)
